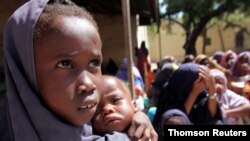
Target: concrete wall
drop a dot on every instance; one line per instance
(171, 43)
(112, 35)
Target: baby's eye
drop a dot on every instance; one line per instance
(116, 100)
(65, 64)
(94, 63)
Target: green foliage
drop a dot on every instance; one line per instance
(196, 15)
(153, 28)
(193, 10)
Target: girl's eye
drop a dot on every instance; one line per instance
(65, 64)
(94, 63)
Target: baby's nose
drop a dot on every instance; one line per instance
(107, 109)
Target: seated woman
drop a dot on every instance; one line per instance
(236, 107)
(190, 91)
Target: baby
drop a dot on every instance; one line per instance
(115, 109)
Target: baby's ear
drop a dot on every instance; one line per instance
(134, 105)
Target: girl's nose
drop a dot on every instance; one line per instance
(86, 84)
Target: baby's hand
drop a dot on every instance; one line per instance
(141, 128)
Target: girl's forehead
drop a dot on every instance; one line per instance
(75, 25)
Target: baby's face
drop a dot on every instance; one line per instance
(115, 110)
(68, 68)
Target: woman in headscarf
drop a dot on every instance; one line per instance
(240, 72)
(228, 59)
(217, 56)
(190, 91)
(241, 66)
(235, 106)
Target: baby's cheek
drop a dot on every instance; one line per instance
(96, 119)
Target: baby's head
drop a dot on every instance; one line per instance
(68, 58)
(116, 109)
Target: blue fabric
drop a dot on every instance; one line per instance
(122, 73)
(151, 113)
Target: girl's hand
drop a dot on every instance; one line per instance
(141, 128)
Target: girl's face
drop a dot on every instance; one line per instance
(68, 66)
(115, 110)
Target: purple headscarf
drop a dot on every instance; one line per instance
(180, 85)
(218, 56)
(235, 69)
(29, 119)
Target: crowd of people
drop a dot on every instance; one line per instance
(56, 90)
(202, 90)
(196, 90)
